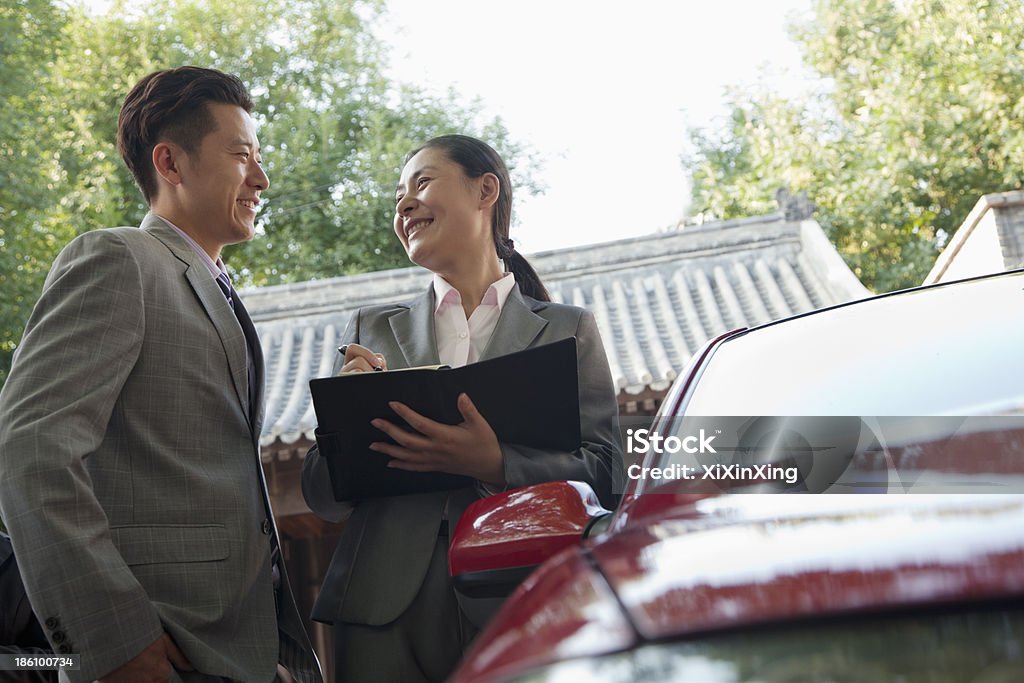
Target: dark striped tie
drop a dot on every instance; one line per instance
(294, 655)
(225, 286)
(250, 366)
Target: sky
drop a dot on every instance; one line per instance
(604, 91)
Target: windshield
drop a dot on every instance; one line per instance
(952, 350)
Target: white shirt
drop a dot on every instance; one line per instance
(461, 341)
(215, 267)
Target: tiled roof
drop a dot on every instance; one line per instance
(990, 240)
(657, 299)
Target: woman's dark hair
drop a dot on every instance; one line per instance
(172, 105)
(477, 158)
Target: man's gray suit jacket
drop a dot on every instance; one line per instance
(130, 477)
(386, 547)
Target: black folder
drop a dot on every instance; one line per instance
(529, 398)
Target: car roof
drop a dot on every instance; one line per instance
(948, 349)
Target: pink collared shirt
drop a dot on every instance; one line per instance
(461, 341)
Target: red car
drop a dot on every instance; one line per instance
(894, 553)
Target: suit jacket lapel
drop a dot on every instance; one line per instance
(216, 306)
(517, 327)
(418, 347)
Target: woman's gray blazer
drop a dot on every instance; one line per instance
(386, 547)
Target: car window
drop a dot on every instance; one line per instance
(952, 350)
(838, 454)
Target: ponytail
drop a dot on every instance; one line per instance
(526, 277)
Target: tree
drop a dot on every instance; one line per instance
(334, 130)
(918, 114)
(31, 224)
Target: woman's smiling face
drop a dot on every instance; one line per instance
(439, 212)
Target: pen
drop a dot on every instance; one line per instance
(343, 349)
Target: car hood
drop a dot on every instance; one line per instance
(739, 560)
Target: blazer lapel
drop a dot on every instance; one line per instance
(212, 299)
(517, 327)
(414, 331)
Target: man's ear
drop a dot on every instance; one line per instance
(167, 158)
(490, 188)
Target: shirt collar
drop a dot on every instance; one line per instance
(496, 294)
(215, 267)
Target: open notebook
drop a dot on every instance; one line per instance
(529, 397)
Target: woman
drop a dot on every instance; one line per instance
(387, 591)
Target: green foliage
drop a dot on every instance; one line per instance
(918, 113)
(334, 131)
(32, 223)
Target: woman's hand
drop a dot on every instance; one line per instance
(469, 448)
(361, 359)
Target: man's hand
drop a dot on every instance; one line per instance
(470, 448)
(152, 665)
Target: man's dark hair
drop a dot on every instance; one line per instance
(171, 105)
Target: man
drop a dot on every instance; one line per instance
(130, 478)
